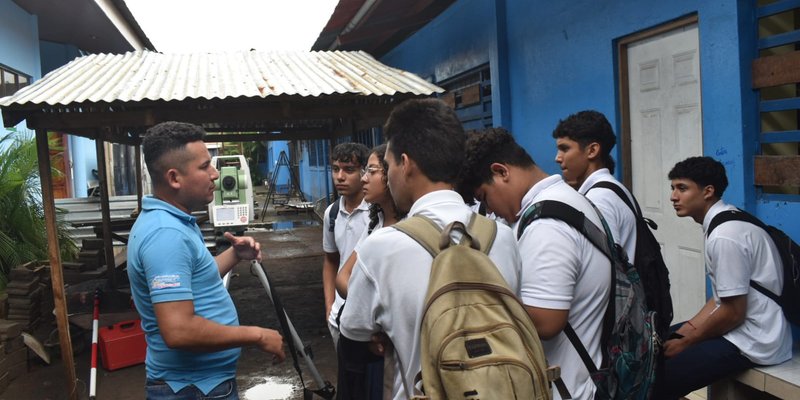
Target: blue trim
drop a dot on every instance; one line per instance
(776, 8)
(774, 197)
(780, 137)
(779, 39)
(780, 105)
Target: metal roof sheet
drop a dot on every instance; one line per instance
(146, 75)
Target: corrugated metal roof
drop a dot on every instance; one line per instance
(145, 75)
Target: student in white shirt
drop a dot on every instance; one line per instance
(584, 141)
(359, 370)
(564, 279)
(382, 210)
(348, 160)
(389, 282)
(738, 327)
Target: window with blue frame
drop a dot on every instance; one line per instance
(777, 83)
(12, 80)
(470, 95)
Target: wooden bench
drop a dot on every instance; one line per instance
(780, 381)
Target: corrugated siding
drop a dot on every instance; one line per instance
(136, 76)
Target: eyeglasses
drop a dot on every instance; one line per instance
(371, 170)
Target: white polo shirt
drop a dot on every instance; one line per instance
(563, 270)
(737, 252)
(390, 279)
(347, 230)
(620, 218)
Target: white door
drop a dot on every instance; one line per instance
(665, 121)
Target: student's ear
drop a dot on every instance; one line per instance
(709, 192)
(500, 170)
(592, 150)
(406, 164)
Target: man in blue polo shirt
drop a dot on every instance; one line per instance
(190, 322)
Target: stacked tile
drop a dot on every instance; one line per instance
(25, 295)
(89, 265)
(48, 302)
(13, 353)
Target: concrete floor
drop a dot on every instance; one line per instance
(293, 261)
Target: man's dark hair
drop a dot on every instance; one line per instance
(587, 127)
(427, 131)
(355, 153)
(165, 138)
(702, 170)
(483, 148)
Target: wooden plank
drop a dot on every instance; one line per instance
(56, 270)
(449, 98)
(471, 95)
(105, 209)
(776, 70)
(777, 170)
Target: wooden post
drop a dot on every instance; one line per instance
(56, 271)
(108, 245)
(139, 184)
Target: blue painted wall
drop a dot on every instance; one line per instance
(274, 150)
(55, 55)
(315, 180)
(19, 47)
(549, 59)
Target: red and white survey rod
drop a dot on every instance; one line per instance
(95, 318)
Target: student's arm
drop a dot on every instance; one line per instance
(182, 329)
(343, 277)
(548, 322)
(242, 248)
(711, 322)
(330, 265)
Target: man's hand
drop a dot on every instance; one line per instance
(674, 347)
(271, 342)
(380, 344)
(245, 247)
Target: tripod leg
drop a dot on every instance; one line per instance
(262, 276)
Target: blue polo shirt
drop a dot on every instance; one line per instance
(168, 261)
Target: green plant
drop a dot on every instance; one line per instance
(23, 234)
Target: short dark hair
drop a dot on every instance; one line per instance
(485, 147)
(350, 152)
(427, 131)
(165, 138)
(702, 170)
(586, 127)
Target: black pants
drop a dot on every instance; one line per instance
(360, 374)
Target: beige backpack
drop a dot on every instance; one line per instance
(477, 340)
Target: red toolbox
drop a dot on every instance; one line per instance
(122, 344)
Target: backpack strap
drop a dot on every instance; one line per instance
(423, 230)
(602, 241)
(621, 194)
(739, 215)
(571, 216)
(333, 213)
(484, 229)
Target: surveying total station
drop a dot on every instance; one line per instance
(232, 208)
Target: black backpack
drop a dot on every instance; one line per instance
(649, 263)
(629, 343)
(789, 300)
(332, 214)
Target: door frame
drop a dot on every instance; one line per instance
(624, 99)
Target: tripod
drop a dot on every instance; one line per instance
(294, 183)
(296, 346)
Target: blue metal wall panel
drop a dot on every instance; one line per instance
(561, 58)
